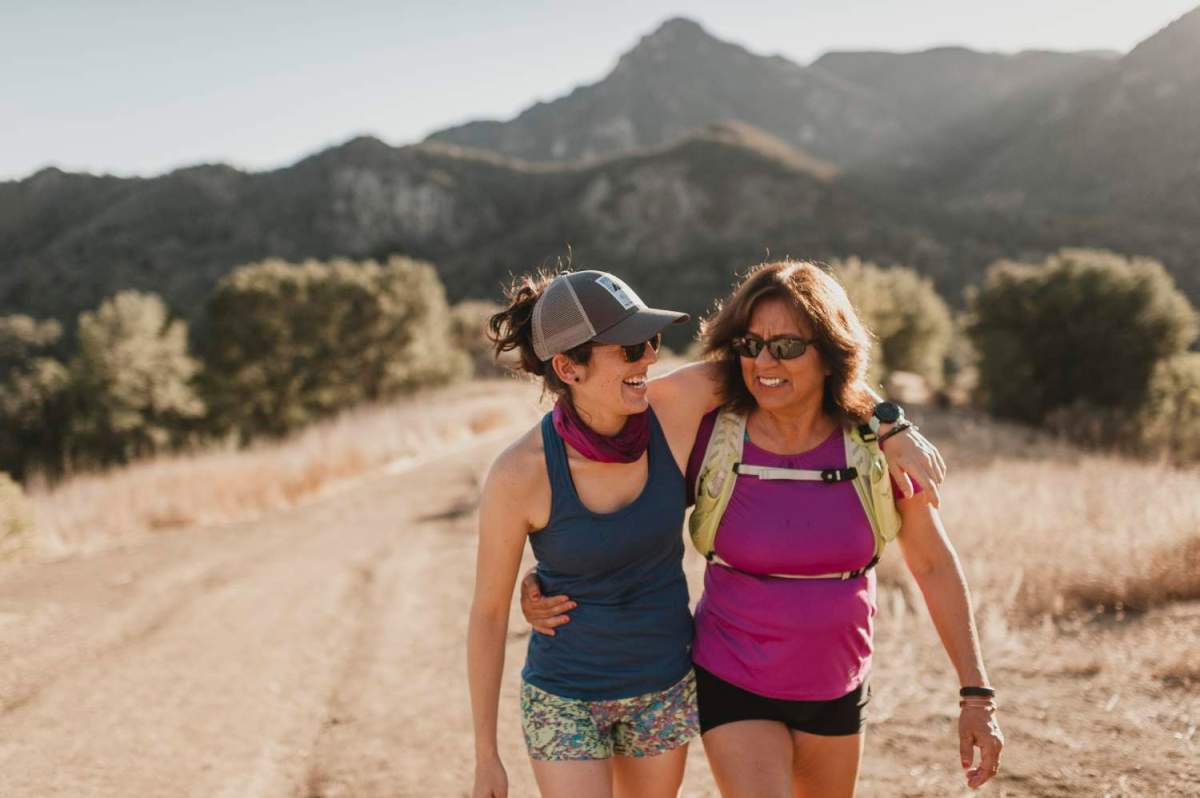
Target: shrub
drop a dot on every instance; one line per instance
(910, 320)
(131, 381)
(33, 396)
(22, 336)
(291, 343)
(467, 322)
(1084, 329)
(1169, 417)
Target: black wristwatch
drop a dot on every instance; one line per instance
(885, 413)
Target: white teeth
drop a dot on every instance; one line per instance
(772, 382)
(636, 382)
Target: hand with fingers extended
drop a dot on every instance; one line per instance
(977, 728)
(911, 456)
(544, 613)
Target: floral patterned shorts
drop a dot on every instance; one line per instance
(645, 725)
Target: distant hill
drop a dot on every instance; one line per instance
(679, 220)
(947, 93)
(844, 108)
(679, 78)
(1127, 141)
(1114, 161)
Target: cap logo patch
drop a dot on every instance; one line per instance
(623, 293)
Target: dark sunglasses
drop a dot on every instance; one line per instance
(781, 347)
(634, 352)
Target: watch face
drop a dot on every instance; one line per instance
(887, 412)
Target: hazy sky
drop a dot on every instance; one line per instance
(141, 87)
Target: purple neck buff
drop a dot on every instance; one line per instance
(626, 446)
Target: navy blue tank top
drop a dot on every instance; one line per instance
(632, 631)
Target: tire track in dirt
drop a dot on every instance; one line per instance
(115, 611)
(397, 720)
(401, 719)
(59, 616)
(173, 670)
(220, 700)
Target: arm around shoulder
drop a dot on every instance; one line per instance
(697, 384)
(681, 397)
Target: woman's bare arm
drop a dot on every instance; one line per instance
(503, 527)
(695, 384)
(934, 564)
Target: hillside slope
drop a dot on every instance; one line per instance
(683, 217)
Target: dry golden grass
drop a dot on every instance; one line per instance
(1044, 529)
(96, 511)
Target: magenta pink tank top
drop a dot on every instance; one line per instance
(795, 639)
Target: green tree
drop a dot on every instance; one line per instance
(468, 322)
(33, 397)
(910, 320)
(290, 343)
(1170, 416)
(1085, 329)
(131, 379)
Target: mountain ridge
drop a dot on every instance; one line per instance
(1059, 149)
(682, 216)
(838, 113)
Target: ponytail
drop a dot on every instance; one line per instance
(512, 330)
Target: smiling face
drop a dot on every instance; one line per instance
(608, 384)
(780, 384)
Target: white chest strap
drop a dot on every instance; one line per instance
(716, 559)
(828, 475)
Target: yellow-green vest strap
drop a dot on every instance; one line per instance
(717, 477)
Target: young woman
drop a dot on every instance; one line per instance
(608, 704)
(782, 655)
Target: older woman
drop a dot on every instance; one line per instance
(782, 647)
(597, 488)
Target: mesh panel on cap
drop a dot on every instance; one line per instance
(559, 322)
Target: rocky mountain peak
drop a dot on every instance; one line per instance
(1175, 48)
(676, 30)
(676, 38)
(47, 174)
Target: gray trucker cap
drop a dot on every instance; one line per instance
(578, 307)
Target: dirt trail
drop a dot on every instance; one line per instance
(320, 652)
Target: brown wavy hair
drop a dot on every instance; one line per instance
(842, 340)
(511, 330)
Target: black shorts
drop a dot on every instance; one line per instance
(722, 702)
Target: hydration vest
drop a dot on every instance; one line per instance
(866, 467)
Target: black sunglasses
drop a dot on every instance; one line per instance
(634, 352)
(781, 347)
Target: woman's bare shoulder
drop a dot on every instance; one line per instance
(518, 484)
(521, 467)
